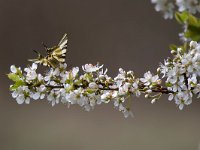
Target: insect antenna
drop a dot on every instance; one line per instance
(39, 55)
(45, 46)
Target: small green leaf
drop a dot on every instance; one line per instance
(192, 20)
(173, 47)
(14, 77)
(168, 84)
(90, 91)
(181, 17)
(193, 32)
(16, 85)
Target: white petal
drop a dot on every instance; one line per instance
(34, 66)
(193, 44)
(42, 96)
(13, 69)
(36, 96)
(14, 94)
(20, 99)
(171, 96)
(181, 106)
(154, 78)
(27, 101)
(53, 103)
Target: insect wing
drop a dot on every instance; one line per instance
(52, 61)
(63, 42)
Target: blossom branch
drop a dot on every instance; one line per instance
(162, 90)
(180, 74)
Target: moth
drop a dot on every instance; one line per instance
(55, 54)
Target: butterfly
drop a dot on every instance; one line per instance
(55, 54)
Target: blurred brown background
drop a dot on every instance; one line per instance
(117, 33)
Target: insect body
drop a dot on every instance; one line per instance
(55, 55)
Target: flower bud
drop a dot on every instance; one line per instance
(151, 86)
(102, 77)
(179, 50)
(13, 69)
(193, 44)
(153, 101)
(146, 96)
(93, 85)
(158, 70)
(149, 91)
(159, 81)
(173, 52)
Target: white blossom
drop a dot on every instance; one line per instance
(167, 7)
(31, 72)
(149, 78)
(22, 95)
(13, 69)
(91, 68)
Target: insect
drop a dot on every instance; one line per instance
(55, 54)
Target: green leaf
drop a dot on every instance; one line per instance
(193, 32)
(168, 84)
(192, 25)
(181, 17)
(173, 47)
(16, 85)
(14, 77)
(90, 91)
(192, 20)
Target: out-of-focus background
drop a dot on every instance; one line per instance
(117, 33)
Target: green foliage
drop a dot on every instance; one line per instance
(16, 85)
(18, 81)
(14, 77)
(184, 47)
(192, 25)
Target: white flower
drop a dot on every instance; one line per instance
(165, 7)
(90, 68)
(164, 69)
(135, 88)
(22, 95)
(183, 98)
(21, 99)
(54, 97)
(40, 93)
(125, 111)
(193, 44)
(31, 72)
(51, 74)
(188, 5)
(171, 96)
(62, 67)
(75, 71)
(93, 85)
(149, 78)
(108, 95)
(13, 69)
(192, 81)
(121, 76)
(197, 90)
(124, 89)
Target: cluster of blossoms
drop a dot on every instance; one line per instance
(168, 6)
(91, 88)
(182, 74)
(94, 86)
